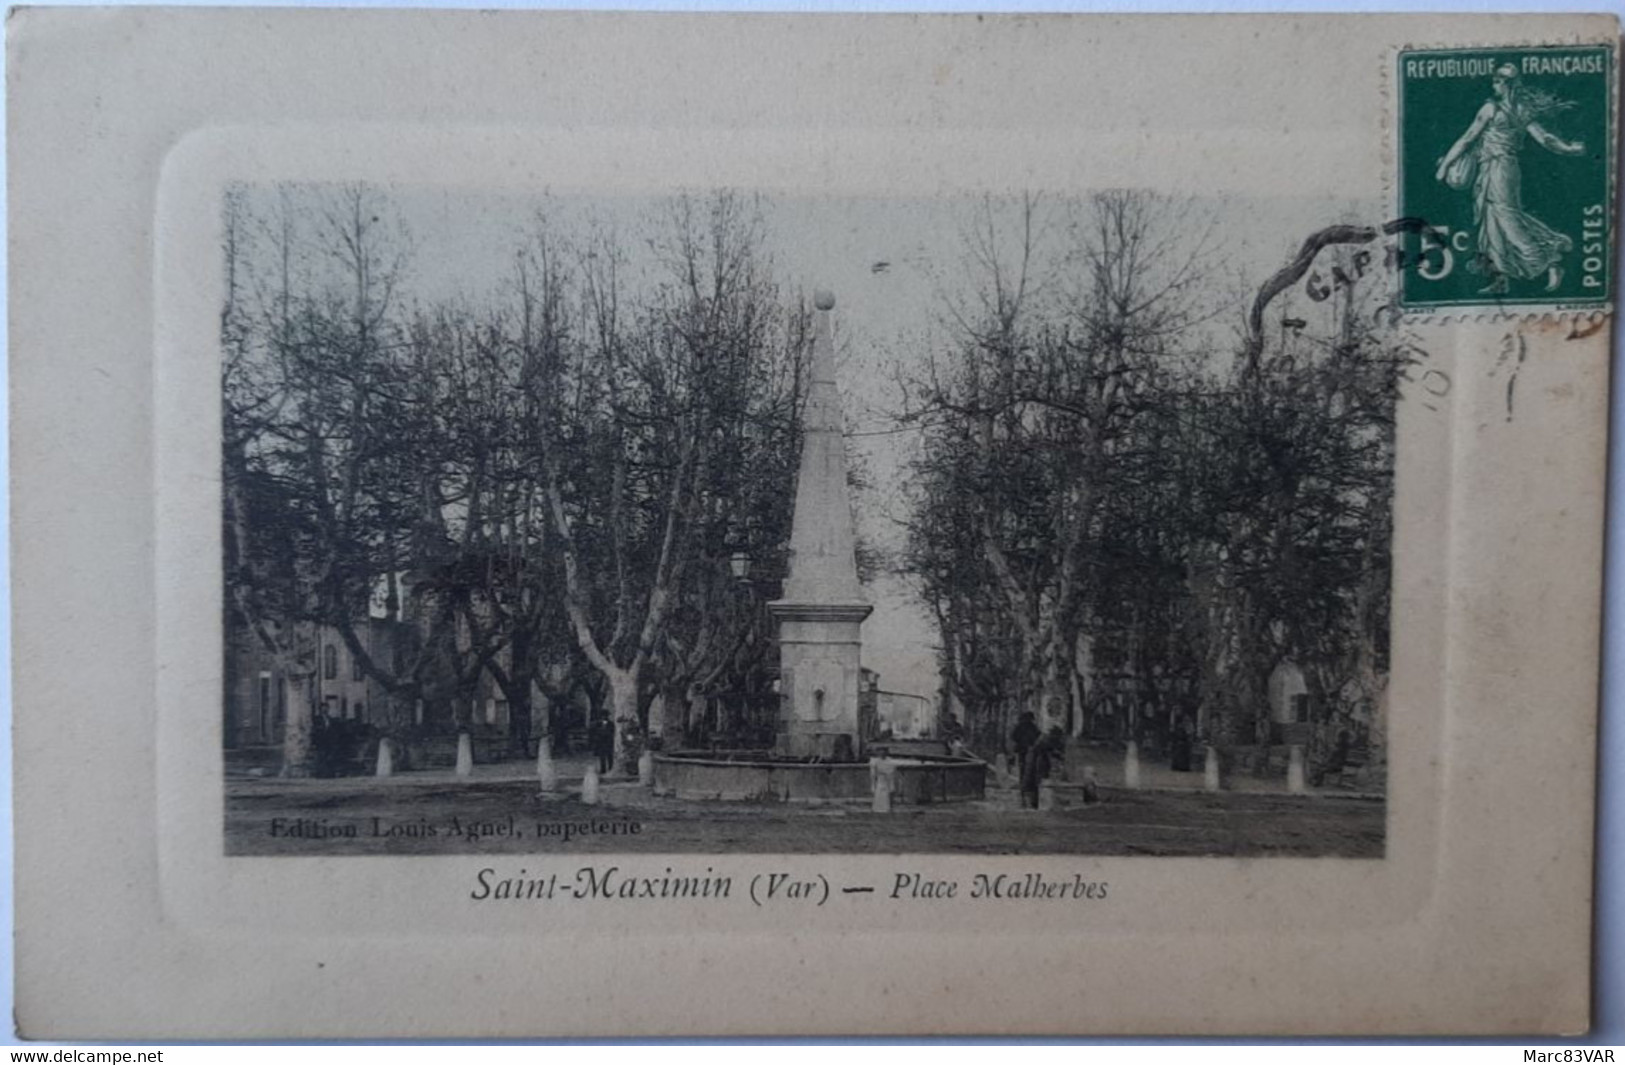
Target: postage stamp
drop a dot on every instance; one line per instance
(1504, 154)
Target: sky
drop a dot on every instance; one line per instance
(898, 268)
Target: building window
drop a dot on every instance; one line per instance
(265, 706)
(1300, 708)
(355, 668)
(330, 662)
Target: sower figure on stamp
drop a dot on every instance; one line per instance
(1511, 242)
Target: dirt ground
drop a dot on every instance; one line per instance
(473, 817)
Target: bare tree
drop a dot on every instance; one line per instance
(1114, 518)
(1048, 383)
(646, 480)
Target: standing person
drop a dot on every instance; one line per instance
(1512, 243)
(602, 738)
(1036, 764)
(1180, 747)
(1024, 738)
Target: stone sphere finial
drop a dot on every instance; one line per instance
(824, 299)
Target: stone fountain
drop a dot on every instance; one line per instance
(818, 752)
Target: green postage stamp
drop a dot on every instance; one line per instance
(1506, 163)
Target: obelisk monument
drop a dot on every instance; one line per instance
(822, 612)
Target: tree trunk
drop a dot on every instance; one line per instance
(668, 717)
(1322, 718)
(660, 719)
(623, 711)
(1258, 697)
(1079, 727)
(519, 718)
(520, 677)
(1054, 690)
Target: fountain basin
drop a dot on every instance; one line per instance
(757, 776)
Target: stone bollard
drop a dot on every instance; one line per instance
(881, 775)
(646, 769)
(386, 758)
(1046, 796)
(546, 774)
(1294, 771)
(1001, 767)
(589, 786)
(1210, 772)
(1131, 766)
(465, 754)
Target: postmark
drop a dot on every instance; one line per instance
(1505, 153)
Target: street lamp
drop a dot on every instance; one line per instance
(739, 564)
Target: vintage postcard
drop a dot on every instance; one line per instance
(724, 524)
